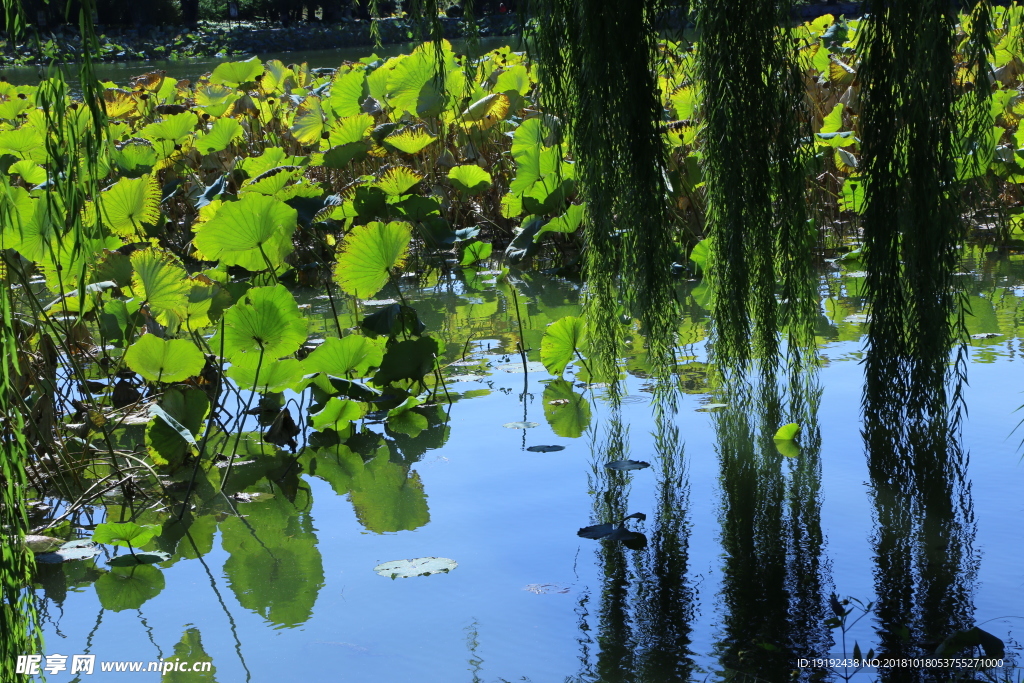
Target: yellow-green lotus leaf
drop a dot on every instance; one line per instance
(368, 254)
(160, 281)
(254, 233)
(164, 360)
(129, 203)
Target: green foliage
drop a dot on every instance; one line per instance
(265, 323)
(254, 233)
(367, 256)
(164, 360)
(562, 341)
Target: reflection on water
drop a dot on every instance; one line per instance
(774, 570)
(646, 603)
(731, 576)
(926, 565)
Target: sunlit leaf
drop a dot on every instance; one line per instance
(368, 254)
(266, 320)
(470, 179)
(254, 233)
(131, 202)
(164, 360)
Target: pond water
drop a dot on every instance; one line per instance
(745, 541)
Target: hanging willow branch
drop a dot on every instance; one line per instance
(761, 268)
(915, 132)
(597, 62)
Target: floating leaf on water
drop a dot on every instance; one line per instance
(42, 544)
(857, 273)
(545, 449)
(520, 425)
(546, 588)
(128, 588)
(559, 402)
(710, 407)
(139, 558)
(532, 366)
(986, 335)
(787, 432)
(626, 465)
(858, 318)
(82, 549)
(463, 378)
(420, 566)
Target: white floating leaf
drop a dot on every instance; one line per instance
(519, 425)
(420, 566)
(532, 366)
(709, 407)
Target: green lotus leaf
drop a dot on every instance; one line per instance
(215, 100)
(398, 180)
(174, 128)
(568, 222)
(276, 376)
(349, 129)
(31, 172)
(470, 179)
(409, 141)
(309, 121)
(125, 534)
(562, 339)
(350, 356)
(515, 78)
(272, 182)
(160, 281)
(237, 73)
(171, 433)
(135, 158)
(254, 233)
(475, 251)
(337, 410)
(266, 320)
(272, 157)
(164, 360)
(129, 203)
(347, 93)
(128, 588)
(368, 254)
(411, 86)
(787, 432)
(222, 133)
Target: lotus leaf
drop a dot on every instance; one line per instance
(347, 91)
(368, 255)
(273, 377)
(254, 233)
(337, 410)
(161, 282)
(420, 566)
(125, 534)
(410, 359)
(475, 251)
(487, 111)
(561, 342)
(398, 180)
(409, 141)
(129, 203)
(350, 356)
(164, 360)
(266, 320)
(237, 73)
(222, 133)
(470, 179)
(787, 432)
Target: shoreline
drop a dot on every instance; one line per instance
(225, 40)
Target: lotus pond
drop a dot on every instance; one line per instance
(275, 580)
(284, 408)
